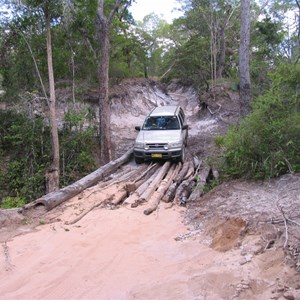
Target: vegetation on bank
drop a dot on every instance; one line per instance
(25, 151)
(267, 143)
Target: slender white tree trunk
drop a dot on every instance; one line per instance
(244, 59)
(52, 175)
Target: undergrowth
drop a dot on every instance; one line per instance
(267, 143)
(25, 154)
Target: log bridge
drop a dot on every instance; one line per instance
(147, 184)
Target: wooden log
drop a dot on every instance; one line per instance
(183, 191)
(53, 199)
(190, 170)
(170, 193)
(174, 190)
(120, 195)
(201, 178)
(150, 170)
(203, 173)
(182, 172)
(117, 179)
(158, 194)
(156, 181)
(135, 196)
(137, 178)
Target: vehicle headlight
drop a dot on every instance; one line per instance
(139, 145)
(175, 145)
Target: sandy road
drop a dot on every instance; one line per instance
(109, 254)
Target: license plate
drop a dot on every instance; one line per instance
(156, 155)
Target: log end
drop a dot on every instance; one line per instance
(148, 211)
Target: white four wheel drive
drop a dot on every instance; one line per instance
(163, 135)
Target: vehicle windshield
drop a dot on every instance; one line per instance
(161, 123)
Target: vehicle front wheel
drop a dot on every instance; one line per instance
(138, 160)
(181, 158)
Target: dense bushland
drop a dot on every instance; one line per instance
(267, 143)
(25, 152)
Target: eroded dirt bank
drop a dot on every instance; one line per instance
(222, 246)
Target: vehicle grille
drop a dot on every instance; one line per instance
(156, 146)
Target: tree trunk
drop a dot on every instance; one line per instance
(102, 27)
(298, 33)
(221, 64)
(53, 199)
(104, 107)
(52, 175)
(244, 59)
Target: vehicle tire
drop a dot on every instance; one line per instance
(138, 160)
(181, 158)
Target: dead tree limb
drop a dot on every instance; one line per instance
(75, 220)
(285, 225)
(53, 199)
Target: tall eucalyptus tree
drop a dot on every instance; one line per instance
(45, 11)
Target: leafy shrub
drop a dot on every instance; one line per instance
(12, 202)
(267, 143)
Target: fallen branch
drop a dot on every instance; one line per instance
(213, 112)
(285, 225)
(84, 214)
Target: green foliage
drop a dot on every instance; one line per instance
(78, 147)
(26, 148)
(25, 152)
(12, 202)
(268, 37)
(210, 185)
(267, 143)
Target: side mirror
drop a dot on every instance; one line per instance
(137, 128)
(184, 127)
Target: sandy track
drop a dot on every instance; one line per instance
(123, 254)
(109, 254)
